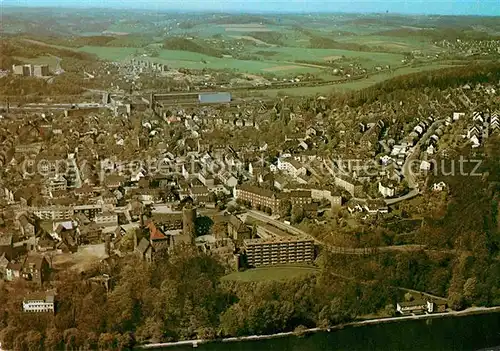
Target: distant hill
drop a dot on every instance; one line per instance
(318, 42)
(131, 40)
(183, 44)
(438, 33)
(244, 19)
(15, 50)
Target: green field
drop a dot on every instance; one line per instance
(368, 59)
(284, 272)
(110, 53)
(282, 63)
(354, 85)
(192, 60)
(393, 44)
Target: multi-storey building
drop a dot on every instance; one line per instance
(351, 186)
(52, 212)
(88, 210)
(39, 303)
(41, 70)
(54, 184)
(265, 252)
(106, 219)
(300, 197)
(291, 167)
(257, 196)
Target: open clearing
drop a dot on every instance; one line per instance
(348, 86)
(367, 59)
(403, 44)
(255, 40)
(281, 68)
(192, 60)
(283, 272)
(41, 60)
(81, 260)
(249, 27)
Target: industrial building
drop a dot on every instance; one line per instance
(31, 70)
(22, 70)
(189, 98)
(214, 98)
(281, 250)
(41, 71)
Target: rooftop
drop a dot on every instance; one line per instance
(276, 240)
(256, 190)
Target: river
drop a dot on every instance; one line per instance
(471, 332)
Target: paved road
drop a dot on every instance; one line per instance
(410, 195)
(407, 170)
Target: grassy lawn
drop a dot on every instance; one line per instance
(284, 272)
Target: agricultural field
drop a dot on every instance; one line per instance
(367, 59)
(393, 44)
(110, 53)
(190, 60)
(349, 86)
(284, 272)
(321, 46)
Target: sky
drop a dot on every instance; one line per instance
(441, 7)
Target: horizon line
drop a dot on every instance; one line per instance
(234, 11)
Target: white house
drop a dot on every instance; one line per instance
(385, 160)
(473, 131)
(431, 150)
(475, 141)
(386, 191)
(425, 166)
(458, 115)
(418, 129)
(292, 167)
(477, 116)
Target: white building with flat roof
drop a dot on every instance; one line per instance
(40, 302)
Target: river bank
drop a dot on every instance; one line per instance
(197, 342)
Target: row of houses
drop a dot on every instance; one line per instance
(483, 124)
(369, 206)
